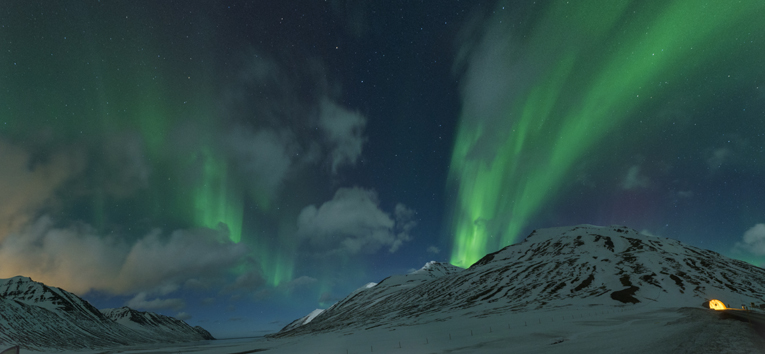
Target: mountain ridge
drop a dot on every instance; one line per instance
(38, 317)
(581, 265)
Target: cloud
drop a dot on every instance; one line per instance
(26, 184)
(404, 224)
(343, 129)
(248, 281)
(127, 169)
(327, 297)
(352, 222)
(183, 316)
(77, 259)
(154, 259)
(753, 241)
(685, 194)
(140, 302)
(289, 287)
(293, 123)
(494, 73)
(265, 155)
(717, 157)
(434, 250)
(353, 15)
(634, 180)
(297, 283)
(196, 284)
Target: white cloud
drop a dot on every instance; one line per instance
(717, 157)
(434, 250)
(294, 121)
(26, 186)
(300, 282)
(247, 281)
(196, 284)
(753, 240)
(634, 179)
(183, 316)
(266, 156)
(343, 129)
(126, 166)
(404, 224)
(155, 260)
(79, 260)
(353, 222)
(140, 302)
(327, 297)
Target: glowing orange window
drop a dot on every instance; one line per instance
(716, 305)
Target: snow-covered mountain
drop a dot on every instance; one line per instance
(557, 267)
(370, 293)
(36, 316)
(156, 324)
(303, 320)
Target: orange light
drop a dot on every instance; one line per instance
(716, 305)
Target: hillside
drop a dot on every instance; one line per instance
(575, 266)
(36, 316)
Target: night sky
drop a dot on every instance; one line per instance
(239, 164)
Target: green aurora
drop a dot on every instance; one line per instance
(82, 85)
(600, 65)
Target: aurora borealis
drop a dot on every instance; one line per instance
(238, 164)
(596, 67)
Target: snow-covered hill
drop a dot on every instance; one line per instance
(371, 293)
(36, 316)
(558, 267)
(303, 320)
(156, 324)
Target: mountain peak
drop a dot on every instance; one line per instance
(152, 322)
(52, 318)
(577, 230)
(435, 268)
(582, 265)
(19, 279)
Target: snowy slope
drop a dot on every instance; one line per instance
(576, 266)
(373, 292)
(155, 324)
(303, 320)
(370, 294)
(36, 316)
(24, 290)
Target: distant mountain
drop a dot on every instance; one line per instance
(156, 324)
(372, 292)
(568, 266)
(36, 316)
(303, 320)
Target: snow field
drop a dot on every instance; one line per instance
(598, 329)
(590, 329)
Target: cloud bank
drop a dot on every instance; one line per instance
(353, 222)
(27, 185)
(753, 241)
(77, 259)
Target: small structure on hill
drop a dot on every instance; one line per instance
(715, 304)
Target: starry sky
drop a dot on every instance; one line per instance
(237, 164)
